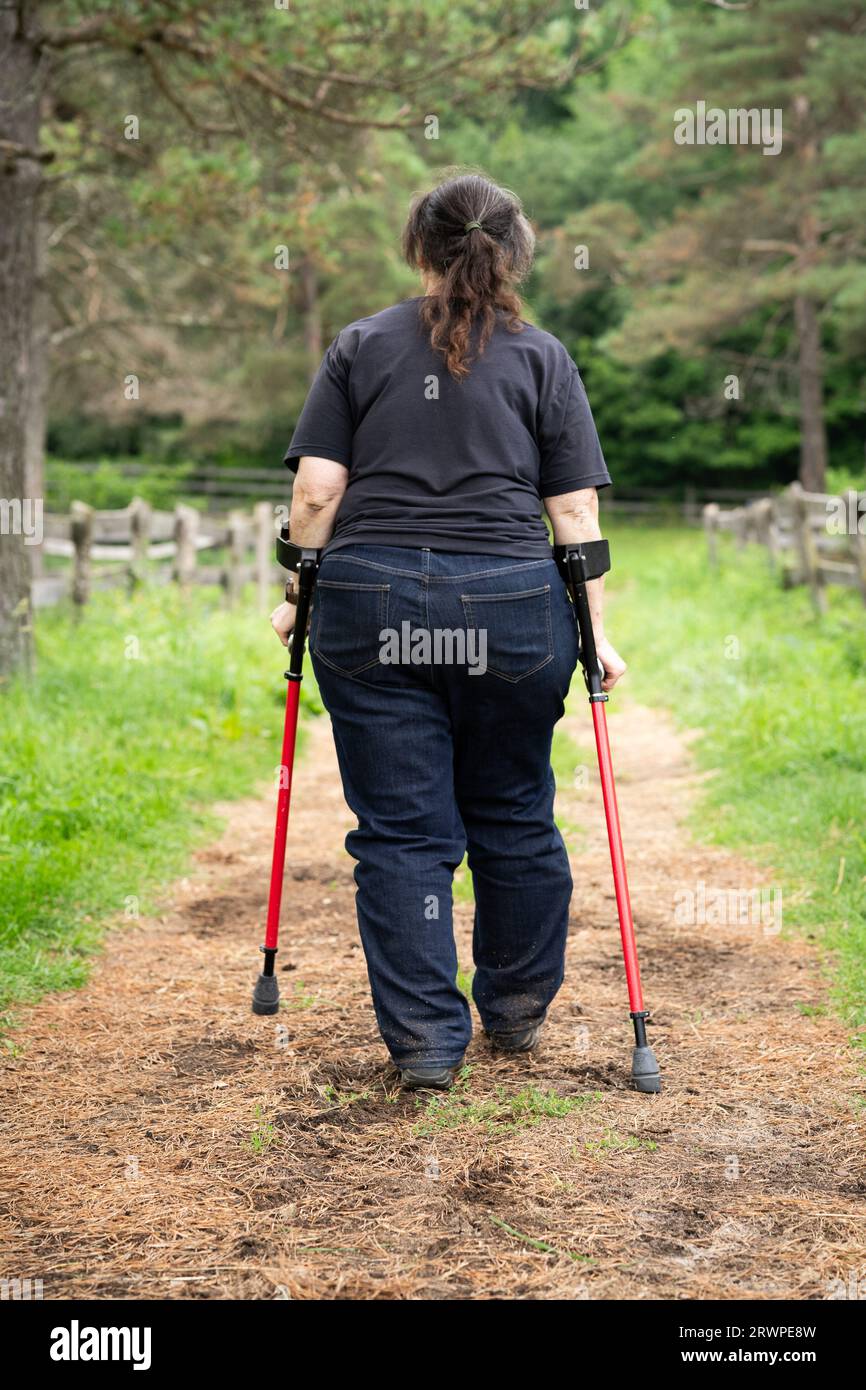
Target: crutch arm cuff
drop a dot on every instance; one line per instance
(291, 556)
(592, 557)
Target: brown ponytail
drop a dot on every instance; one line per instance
(477, 267)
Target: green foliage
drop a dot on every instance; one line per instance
(182, 237)
(681, 290)
(136, 720)
(257, 207)
(106, 488)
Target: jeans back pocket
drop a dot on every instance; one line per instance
(349, 622)
(514, 630)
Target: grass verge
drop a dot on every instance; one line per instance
(779, 698)
(135, 720)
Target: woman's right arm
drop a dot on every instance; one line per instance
(574, 517)
(316, 498)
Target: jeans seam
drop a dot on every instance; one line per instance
(425, 585)
(503, 598)
(371, 565)
(346, 584)
(436, 578)
(488, 574)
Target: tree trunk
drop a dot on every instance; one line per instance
(813, 436)
(312, 315)
(37, 388)
(20, 181)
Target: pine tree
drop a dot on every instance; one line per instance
(782, 235)
(242, 107)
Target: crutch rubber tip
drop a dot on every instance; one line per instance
(645, 1071)
(266, 995)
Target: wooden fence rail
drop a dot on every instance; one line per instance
(810, 537)
(228, 487)
(107, 549)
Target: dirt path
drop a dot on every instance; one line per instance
(158, 1141)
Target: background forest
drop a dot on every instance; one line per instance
(214, 211)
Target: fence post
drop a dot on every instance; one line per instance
(263, 519)
(711, 530)
(858, 538)
(764, 528)
(809, 559)
(186, 521)
(140, 514)
(81, 530)
(738, 517)
(233, 576)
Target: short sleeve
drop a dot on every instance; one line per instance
(325, 427)
(568, 443)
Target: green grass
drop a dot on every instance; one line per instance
(572, 769)
(135, 720)
(263, 1132)
(464, 980)
(568, 760)
(462, 889)
(612, 1142)
(780, 699)
(300, 998)
(335, 1097)
(544, 1246)
(500, 1113)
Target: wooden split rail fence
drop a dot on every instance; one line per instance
(108, 549)
(810, 537)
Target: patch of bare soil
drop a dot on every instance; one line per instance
(158, 1141)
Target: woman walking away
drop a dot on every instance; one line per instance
(442, 637)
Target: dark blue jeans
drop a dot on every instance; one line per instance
(436, 758)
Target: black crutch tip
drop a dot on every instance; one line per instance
(266, 995)
(645, 1071)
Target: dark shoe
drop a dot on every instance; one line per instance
(427, 1078)
(520, 1040)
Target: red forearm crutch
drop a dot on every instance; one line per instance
(579, 564)
(305, 563)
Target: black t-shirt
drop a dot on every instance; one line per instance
(458, 466)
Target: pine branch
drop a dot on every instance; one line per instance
(11, 153)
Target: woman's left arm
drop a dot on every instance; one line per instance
(316, 496)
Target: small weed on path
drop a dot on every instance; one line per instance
(499, 1113)
(263, 1134)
